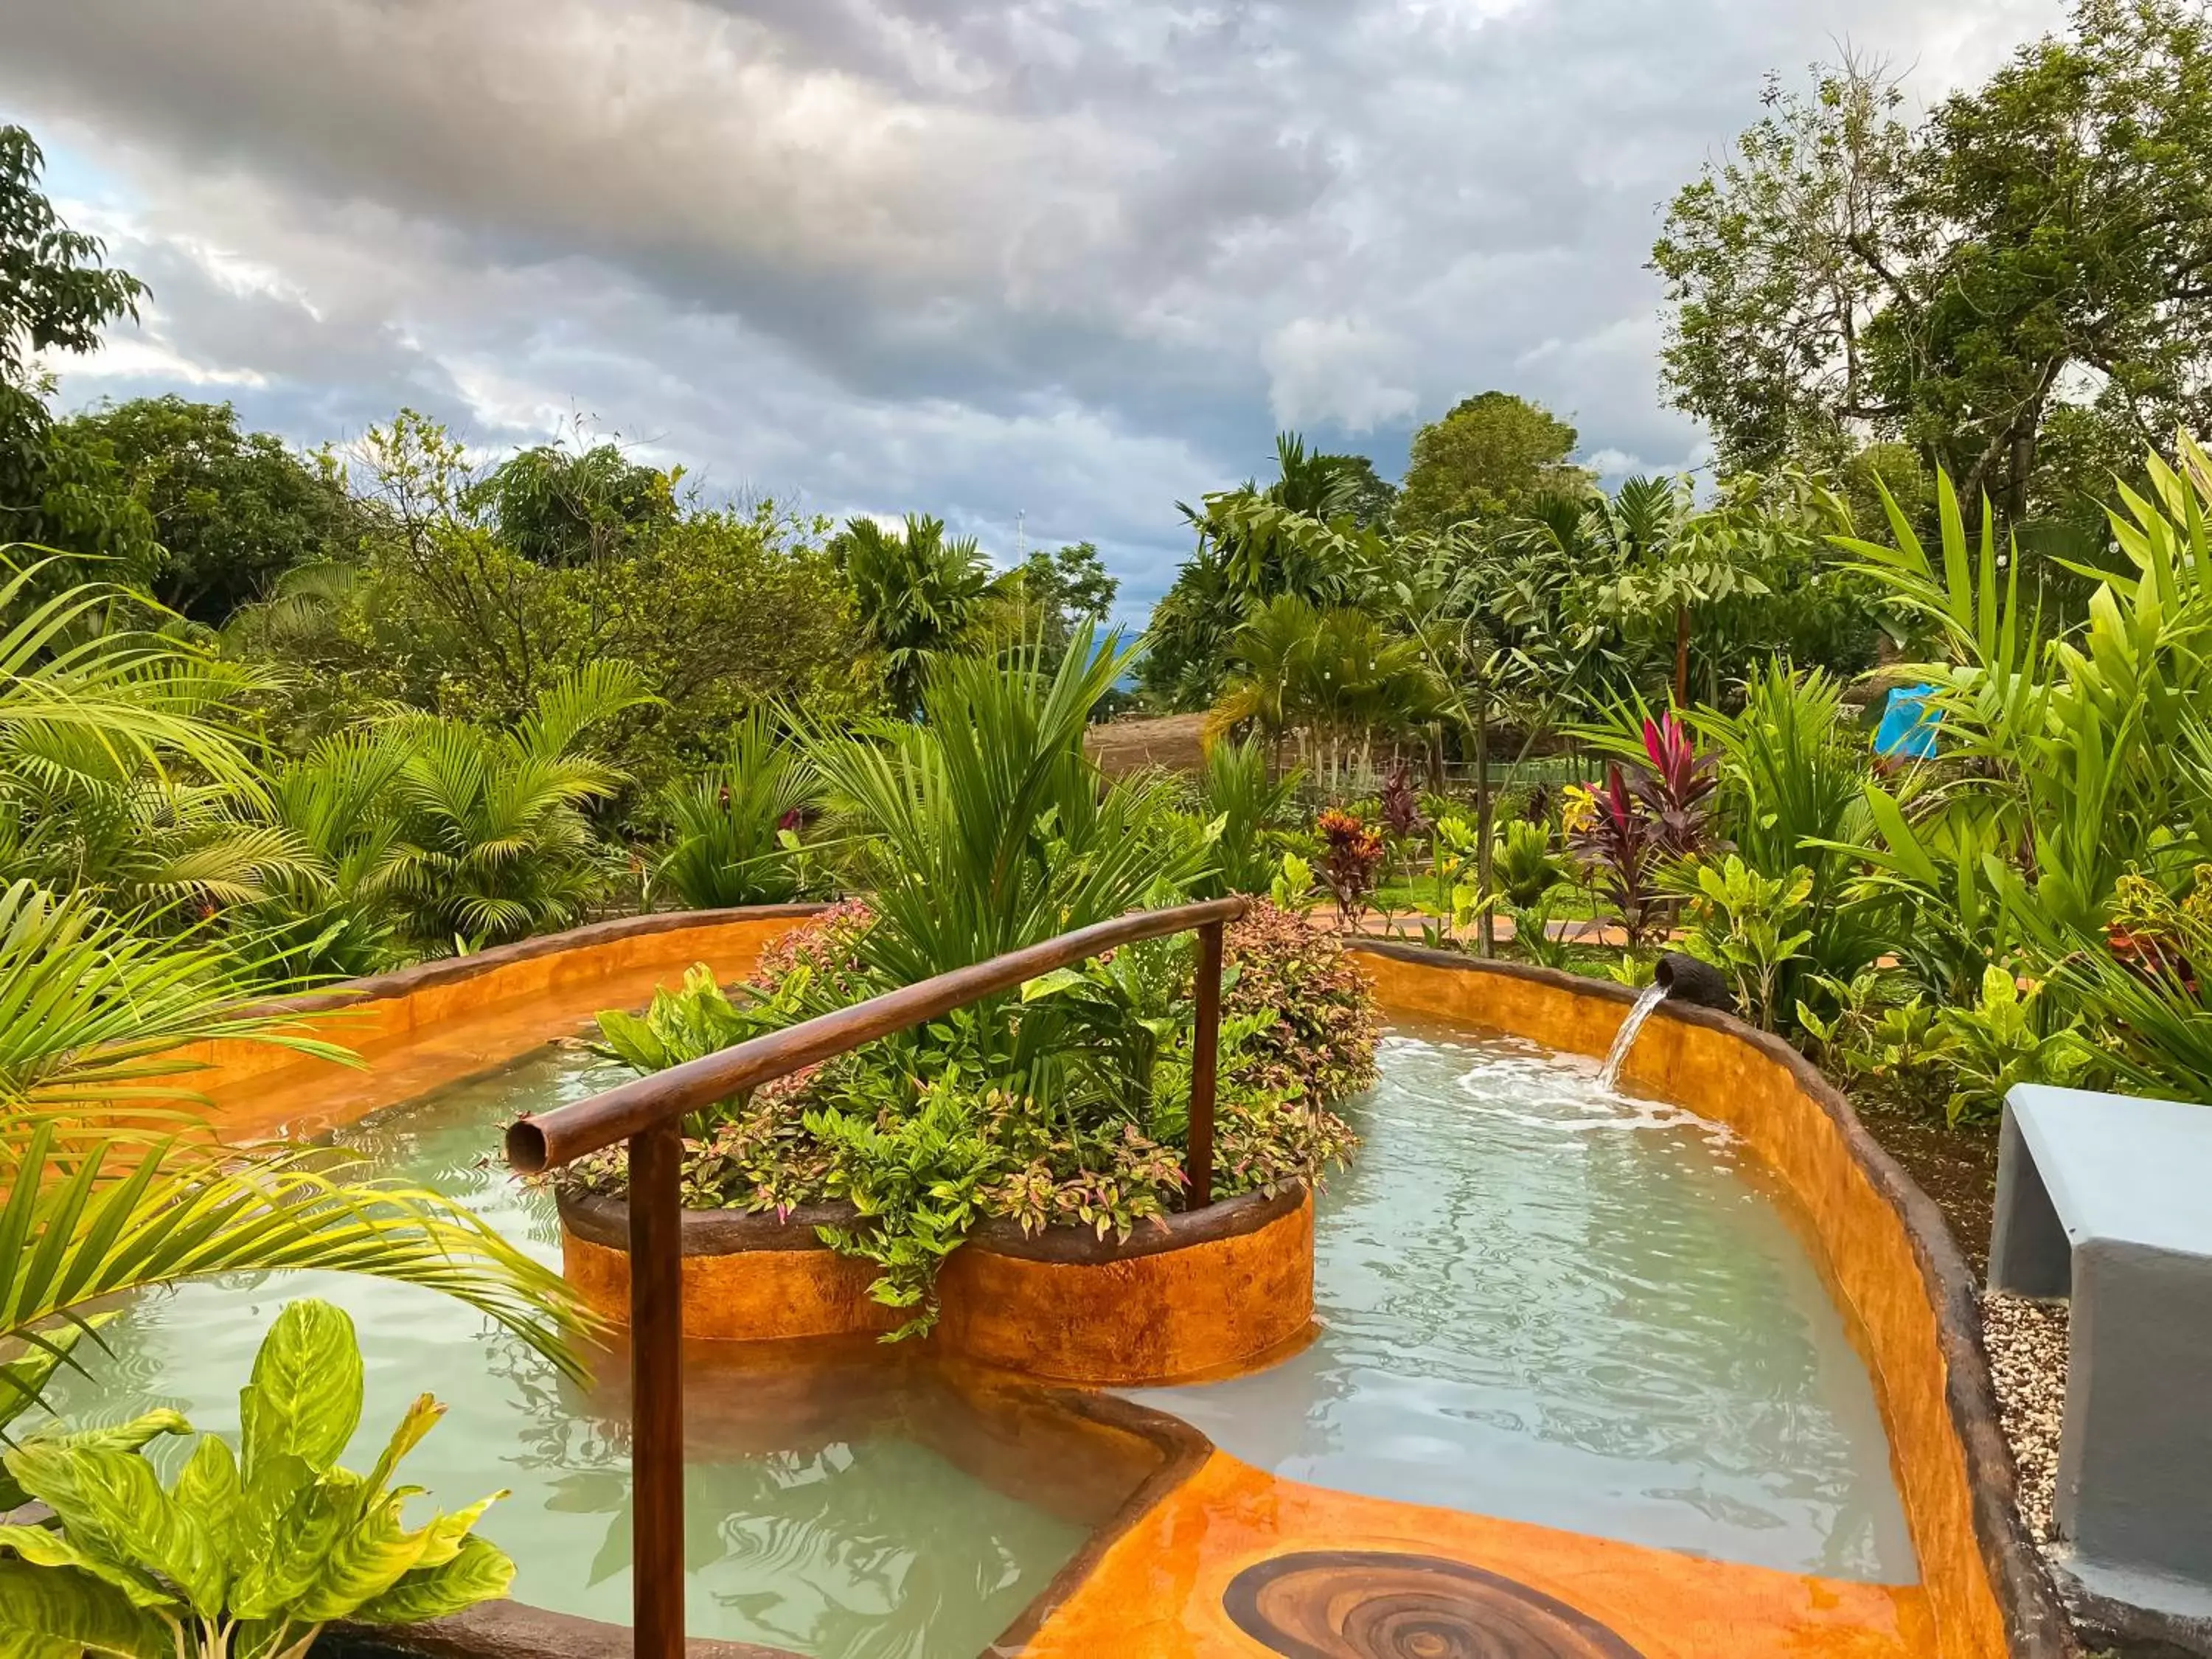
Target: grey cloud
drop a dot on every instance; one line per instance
(989, 255)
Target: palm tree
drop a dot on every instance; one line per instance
(919, 592)
(107, 1186)
(1271, 654)
(987, 827)
(492, 842)
(1337, 675)
(330, 912)
(121, 771)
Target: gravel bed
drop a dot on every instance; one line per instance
(2028, 1360)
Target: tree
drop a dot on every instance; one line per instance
(1061, 592)
(2041, 242)
(55, 295)
(721, 609)
(557, 506)
(231, 510)
(1494, 456)
(919, 592)
(1256, 542)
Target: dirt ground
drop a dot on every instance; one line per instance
(1175, 742)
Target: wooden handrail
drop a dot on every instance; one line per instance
(536, 1144)
(648, 1113)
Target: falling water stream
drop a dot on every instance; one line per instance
(1649, 998)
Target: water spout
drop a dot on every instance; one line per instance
(1625, 1039)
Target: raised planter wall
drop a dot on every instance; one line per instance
(1206, 1292)
(1890, 1260)
(746, 1278)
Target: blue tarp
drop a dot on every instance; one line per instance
(1908, 725)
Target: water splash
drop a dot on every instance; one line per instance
(1646, 999)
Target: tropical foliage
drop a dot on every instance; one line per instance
(981, 828)
(244, 1555)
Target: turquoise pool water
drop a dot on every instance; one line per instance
(1544, 1301)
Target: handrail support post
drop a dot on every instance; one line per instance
(656, 1362)
(1205, 1066)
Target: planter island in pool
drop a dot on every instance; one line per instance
(1190, 1294)
(844, 1501)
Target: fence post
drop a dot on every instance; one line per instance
(656, 1370)
(1205, 1061)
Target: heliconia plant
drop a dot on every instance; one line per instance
(245, 1554)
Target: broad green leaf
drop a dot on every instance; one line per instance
(418, 1420)
(1052, 984)
(43, 1547)
(127, 1436)
(448, 1533)
(123, 1436)
(304, 1538)
(47, 1547)
(145, 1529)
(306, 1393)
(47, 1613)
(480, 1571)
(207, 1490)
(265, 1502)
(369, 1557)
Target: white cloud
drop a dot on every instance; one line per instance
(1338, 369)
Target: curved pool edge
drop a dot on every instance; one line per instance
(450, 1019)
(516, 1630)
(1912, 1296)
(439, 1021)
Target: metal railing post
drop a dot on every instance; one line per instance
(1205, 1062)
(656, 1371)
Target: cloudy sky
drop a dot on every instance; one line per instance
(1055, 261)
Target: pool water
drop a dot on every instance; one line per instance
(832, 1508)
(1539, 1300)
(1547, 1302)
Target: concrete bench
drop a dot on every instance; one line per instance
(2107, 1201)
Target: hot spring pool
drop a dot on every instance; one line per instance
(1543, 1301)
(1539, 1301)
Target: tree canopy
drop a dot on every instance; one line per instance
(1494, 455)
(55, 295)
(231, 510)
(2030, 261)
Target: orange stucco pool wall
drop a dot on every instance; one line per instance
(431, 1024)
(1874, 1229)
(1205, 1307)
(756, 1296)
(1215, 1302)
